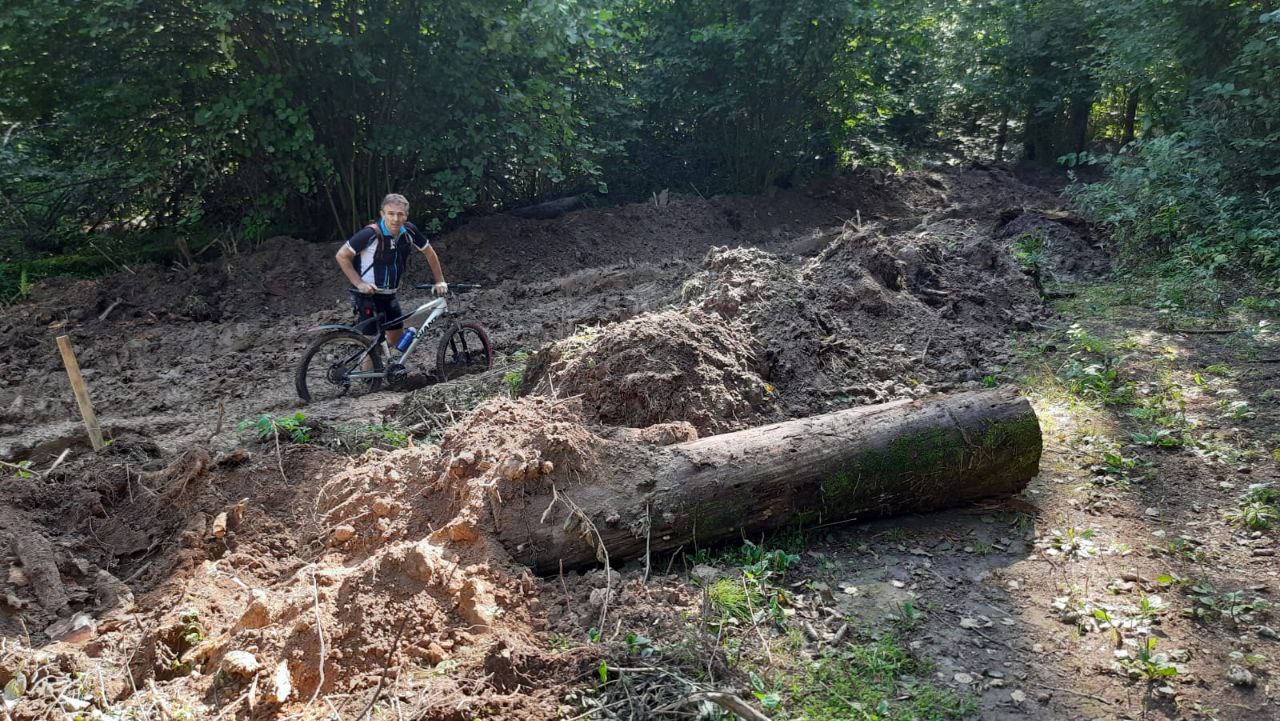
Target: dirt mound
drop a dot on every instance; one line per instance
(1064, 240)
(659, 367)
(393, 564)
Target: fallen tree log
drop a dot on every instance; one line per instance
(905, 456)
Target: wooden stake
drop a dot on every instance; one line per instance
(81, 391)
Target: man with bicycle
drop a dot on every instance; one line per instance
(374, 259)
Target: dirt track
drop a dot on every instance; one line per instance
(705, 314)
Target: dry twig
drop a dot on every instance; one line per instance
(727, 701)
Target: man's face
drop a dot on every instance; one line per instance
(394, 216)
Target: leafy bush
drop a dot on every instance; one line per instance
(1170, 199)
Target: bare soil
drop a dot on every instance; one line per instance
(191, 569)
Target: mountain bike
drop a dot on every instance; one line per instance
(350, 360)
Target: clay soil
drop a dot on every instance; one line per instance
(194, 569)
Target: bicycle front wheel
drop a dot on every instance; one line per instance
(464, 350)
(328, 362)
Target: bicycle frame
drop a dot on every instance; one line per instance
(434, 308)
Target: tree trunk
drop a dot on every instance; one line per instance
(1079, 123)
(1002, 134)
(900, 457)
(1130, 117)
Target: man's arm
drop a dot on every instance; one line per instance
(434, 261)
(346, 257)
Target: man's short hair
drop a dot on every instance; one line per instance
(394, 199)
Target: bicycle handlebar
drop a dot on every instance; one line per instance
(453, 287)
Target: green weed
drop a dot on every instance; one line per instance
(1149, 664)
(515, 377)
(730, 597)
(267, 427)
(1233, 607)
(1259, 507)
(1071, 543)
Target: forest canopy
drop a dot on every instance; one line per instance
(126, 123)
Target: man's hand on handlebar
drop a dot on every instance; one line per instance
(367, 288)
(441, 288)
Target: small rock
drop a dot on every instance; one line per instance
(1044, 697)
(384, 507)
(995, 673)
(220, 525)
(963, 678)
(281, 684)
(258, 614)
(75, 630)
(1153, 512)
(461, 532)
(343, 533)
(434, 653)
(1240, 676)
(1017, 696)
(240, 663)
(423, 560)
(17, 577)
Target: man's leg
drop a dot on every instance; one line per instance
(393, 337)
(391, 309)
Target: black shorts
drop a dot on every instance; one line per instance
(368, 307)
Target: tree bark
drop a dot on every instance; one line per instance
(883, 460)
(1002, 134)
(1130, 117)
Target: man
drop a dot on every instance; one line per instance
(374, 259)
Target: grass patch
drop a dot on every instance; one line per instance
(877, 679)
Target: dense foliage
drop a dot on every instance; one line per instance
(228, 120)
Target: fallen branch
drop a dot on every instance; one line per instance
(315, 599)
(382, 677)
(1074, 693)
(726, 701)
(22, 469)
(222, 412)
(58, 461)
(275, 431)
(1203, 331)
(103, 315)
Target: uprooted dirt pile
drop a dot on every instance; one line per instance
(392, 565)
(657, 368)
(875, 316)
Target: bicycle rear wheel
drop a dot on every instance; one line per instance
(327, 362)
(464, 350)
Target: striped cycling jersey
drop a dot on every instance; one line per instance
(381, 259)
